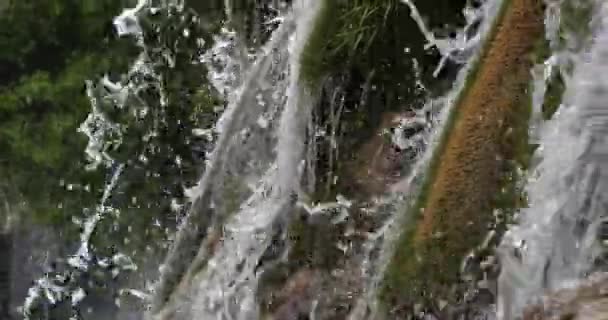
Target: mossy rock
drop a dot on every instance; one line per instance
(487, 138)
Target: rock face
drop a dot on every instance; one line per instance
(587, 301)
(295, 297)
(381, 161)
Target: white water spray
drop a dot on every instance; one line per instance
(555, 241)
(226, 286)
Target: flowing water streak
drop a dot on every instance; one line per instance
(228, 281)
(380, 246)
(230, 57)
(52, 288)
(460, 48)
(238, 145)
(555, 243)
(101, 133)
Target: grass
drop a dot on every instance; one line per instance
(425, 265)
(313, 65)
(344, 31)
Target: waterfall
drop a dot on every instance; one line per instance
(260, 150)
(555, 243)
(259, 168)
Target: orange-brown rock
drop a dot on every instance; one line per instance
(467, 174)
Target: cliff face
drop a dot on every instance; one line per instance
(456, 205)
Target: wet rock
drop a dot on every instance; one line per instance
(295, 298)
(381, 160)
(338, 292)
(586, 301)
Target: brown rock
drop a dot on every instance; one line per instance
(379, 162)
(295, 297)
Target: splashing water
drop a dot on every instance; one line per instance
(103, 135)
(461, 48)
(254, 178)
(267, 160)
(555, 242)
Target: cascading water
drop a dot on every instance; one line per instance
(261, 172)
(554, 243)
(257, 154)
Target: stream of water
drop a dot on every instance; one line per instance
(260, 172)
(252, 180)
(270, 164)
(555, 241)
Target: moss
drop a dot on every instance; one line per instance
(313, 65)
(573, 22)
(463, 181)
(553, 95)
(344, 32)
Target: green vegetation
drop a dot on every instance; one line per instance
(360, 55)
(47, 51)
(313, 65)
(555, 84)
(352, 27)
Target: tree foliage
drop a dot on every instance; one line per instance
(60, 56)
(47, 51)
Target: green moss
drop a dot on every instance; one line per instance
(553, 95)
(313, 65)
(555, 84)
(541, 52)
